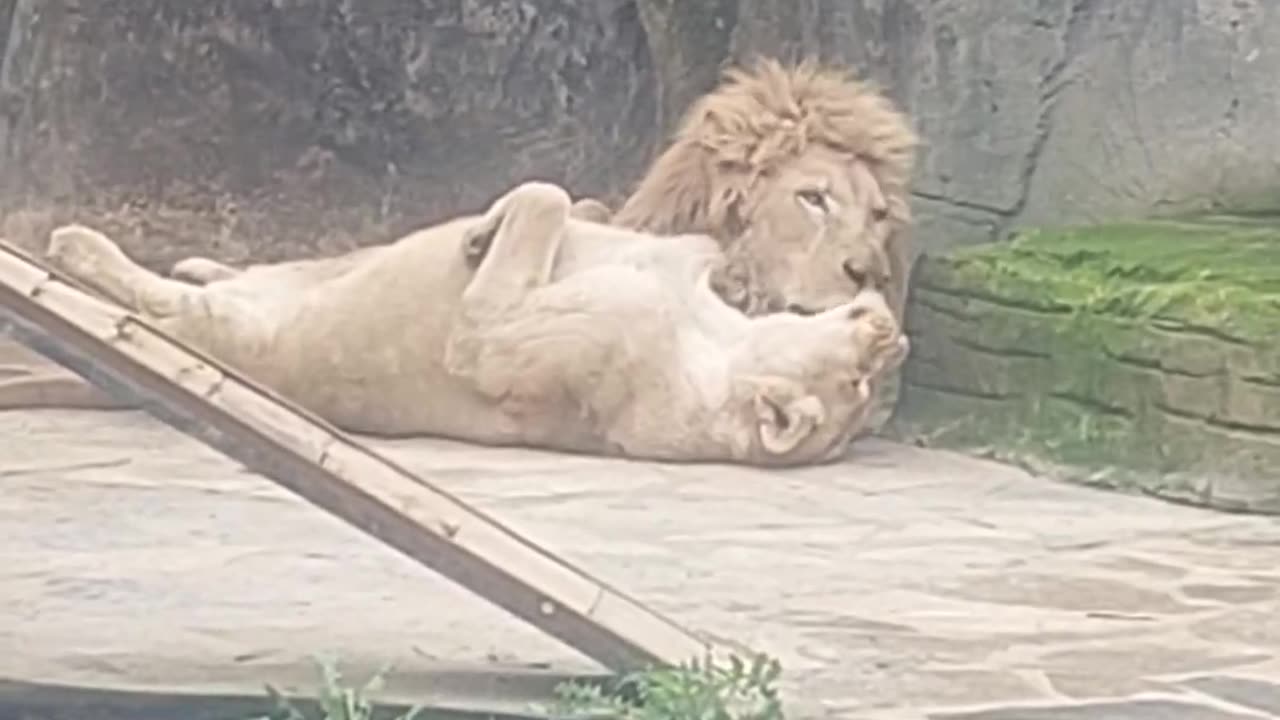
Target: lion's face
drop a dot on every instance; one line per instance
(815, 232)
(801, 173)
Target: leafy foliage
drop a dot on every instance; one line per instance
(694, 691)
(335, 701)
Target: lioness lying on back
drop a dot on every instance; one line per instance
(568, 334)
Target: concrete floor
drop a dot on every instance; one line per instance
(903, 583)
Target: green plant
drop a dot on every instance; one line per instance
(335, 702)
(693, 691)
(698, 690)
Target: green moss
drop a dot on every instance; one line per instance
(1151, 347)
(1220, 274)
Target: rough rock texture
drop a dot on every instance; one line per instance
(1140, 355)
(272, 128)
(283, 128)
(1047, 111)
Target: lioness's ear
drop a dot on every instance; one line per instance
(786, 418)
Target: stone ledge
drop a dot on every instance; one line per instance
(1143, 356)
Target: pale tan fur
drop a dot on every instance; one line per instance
(567, 334)
(799, 174)
(738, 169)
(740, 162)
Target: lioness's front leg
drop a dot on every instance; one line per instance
(515, 245)
(92, 258)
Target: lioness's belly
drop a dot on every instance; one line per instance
(364, 349)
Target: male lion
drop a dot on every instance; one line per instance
(568, 334)
(799, 173)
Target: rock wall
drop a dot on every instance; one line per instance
(287, 128)
(1141, 356)
(272, 128)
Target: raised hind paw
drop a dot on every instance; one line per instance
(77, 247)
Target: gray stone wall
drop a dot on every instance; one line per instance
(282, 127)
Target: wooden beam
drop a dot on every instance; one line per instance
(197, 395)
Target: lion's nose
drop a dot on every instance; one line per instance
(867, 266)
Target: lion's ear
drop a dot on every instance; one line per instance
(786, 417)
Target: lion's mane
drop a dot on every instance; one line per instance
(750, 125)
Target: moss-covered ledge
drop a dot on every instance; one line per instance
(1143, 356)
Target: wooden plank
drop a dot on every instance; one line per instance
(199, 396)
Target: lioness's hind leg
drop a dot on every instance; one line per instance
(92, 258)
(88, 256)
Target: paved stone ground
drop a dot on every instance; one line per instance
(901, 584)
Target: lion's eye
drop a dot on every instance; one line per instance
(814, 198)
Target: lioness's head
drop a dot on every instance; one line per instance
(809, 386)
(801, 173)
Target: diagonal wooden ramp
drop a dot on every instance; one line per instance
(199, 396)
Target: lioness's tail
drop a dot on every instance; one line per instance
(24, 388)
